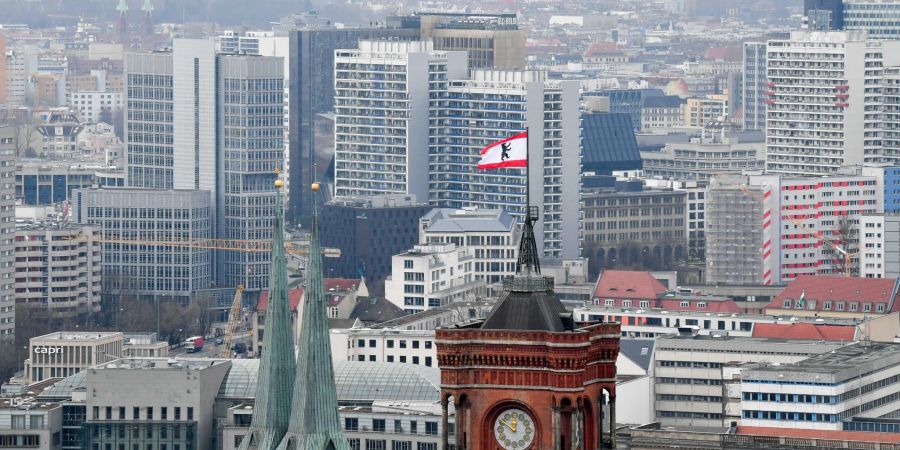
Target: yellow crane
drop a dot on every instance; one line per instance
(233, 317)
(848, 257)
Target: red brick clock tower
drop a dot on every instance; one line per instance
(527, 377)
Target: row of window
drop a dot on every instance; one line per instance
(148, 413)
(373, 343)
(380, 426)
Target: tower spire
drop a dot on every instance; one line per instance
(314, 421)
(277, 366)
(122, 24)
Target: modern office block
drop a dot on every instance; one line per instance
(140, 217)
(8, 135)
(754, 86)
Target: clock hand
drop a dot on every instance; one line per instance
(514, 424)
(507, 425)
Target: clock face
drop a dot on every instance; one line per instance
(514, 429)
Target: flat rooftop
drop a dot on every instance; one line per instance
(833, 366)
(161, 364)
(76, 336)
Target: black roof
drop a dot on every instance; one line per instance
(663, 101)
(371, 310)
(531, 311)
(609, 143)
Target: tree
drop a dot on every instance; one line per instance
(844, 242)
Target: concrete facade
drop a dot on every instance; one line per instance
(432, 275)
(58, 267)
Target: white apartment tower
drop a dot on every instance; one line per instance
(824, 100)
(496, 104)
(386, 102)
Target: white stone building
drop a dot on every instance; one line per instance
(491, 234)
(94, 106)
(428, 276)
(384, 345)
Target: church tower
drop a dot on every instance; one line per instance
(122, 24)
(528, 377)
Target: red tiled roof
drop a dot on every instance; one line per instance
(804, 330)
(341, 284)
(836, 435)
(836, 288)
(627, 284)
(603, 48)
(734, 53)
(295, 295)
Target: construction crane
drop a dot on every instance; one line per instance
(233, 316)
(237, 245)
(848, 257)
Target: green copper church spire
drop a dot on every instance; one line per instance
(277, 366)
(314, 418)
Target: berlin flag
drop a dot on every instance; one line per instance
(510, 152)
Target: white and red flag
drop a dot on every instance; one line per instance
(510, 152)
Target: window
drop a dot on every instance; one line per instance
(398, 426)
(18, 422)
(149, 413)
(371, 343)
(853, 306)
(626, 303)
(401, 445)
(431, 428)
(361, 343)
(879, 307)
(378, 425)
(390, 358)
(373, 444)
(427, 446)
(408, 264)
(644, 304)
(415, 360)
(701, 305)
(839, 306)
(163, 413)
(427, 361)
(402, 359)
(390, 343)
(177, 413)
(413, 427)
(787, 303)
(867, 307)
(402, 343)
(354, 444)
(610, 302)
(351, 424)
(685, 304)
(826, 306)
(428, 344)
(190, 413)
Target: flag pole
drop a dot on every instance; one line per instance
(527, 174)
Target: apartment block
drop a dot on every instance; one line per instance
(824, 100)
(387, 95)
(58, 267)
(493, 105)
(8, 135)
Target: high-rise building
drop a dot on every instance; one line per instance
(890, 127)
(814, 129)
(213, 122)
(754, 86)
(387, 95)
(140, 217)
(880, 18)
(2, 69)
(734, 234)
(823, 15)
(149, 121)
(250, 149)
(493, 41)
(8, 136)
(495, 105)
(311, 94)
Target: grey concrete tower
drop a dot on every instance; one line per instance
(314, 419)
(277, 366)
